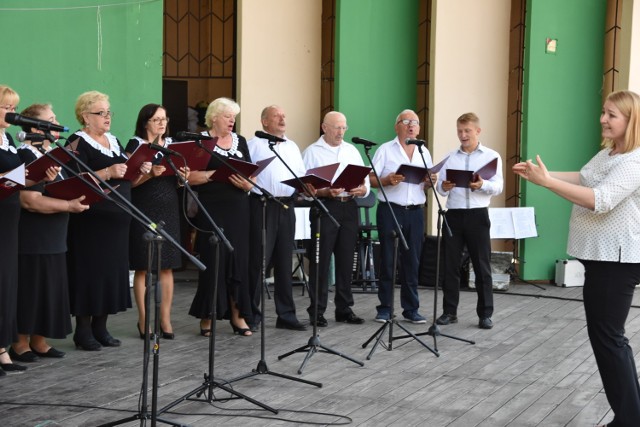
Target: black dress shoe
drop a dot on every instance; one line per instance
(87, 344)
(26, 357)
(485, 323)
(108, 341)
(297, 326)
(12, 367)
(52, 352)
(349, 318)
(321, 322)
(168, 335)
(447, 319)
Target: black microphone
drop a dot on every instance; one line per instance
(18, 120)
(269, 137)
(418, 142)
(362, 141)
(164, 150)
(187, 136)
(33, 137)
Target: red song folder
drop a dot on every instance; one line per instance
(319, 177)
(38, 168)
(144, 153)
(72, 188)
(12, 181)
(462, 178)
(351, 177)
(196, 157)
(416, 174)
(223, 173)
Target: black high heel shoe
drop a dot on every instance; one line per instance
(167, 335)
(243, 332)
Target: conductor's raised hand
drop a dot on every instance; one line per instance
(538, 174)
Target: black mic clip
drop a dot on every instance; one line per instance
(365, 142)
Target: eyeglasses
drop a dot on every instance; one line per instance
(102, 113)
(158, 120)
(342, 128)
(409, 122)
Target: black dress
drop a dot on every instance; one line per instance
(158, 199)
(229, 208)
(98, 238)
(43, 288)
(9, 217)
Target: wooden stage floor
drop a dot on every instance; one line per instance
(534, 368)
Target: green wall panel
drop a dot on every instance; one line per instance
(561, 109)
(376, 63)
(58, 49)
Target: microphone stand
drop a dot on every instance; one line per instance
(434, 330)
(209, 380)
(389, 323)
(262, 367)
(153, 229)
(314, 345)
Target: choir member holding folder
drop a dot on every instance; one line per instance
(471, 176)
(329, 149)
(43, 294)
(98, 257)
(407, 198)
(227, 202)
(9, 217)
(279, 222)
(156, 195)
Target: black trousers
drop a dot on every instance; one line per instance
(470, 227)
(280, 235)
(608, 292)
(338, 241)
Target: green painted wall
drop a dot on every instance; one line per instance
(561, 109)
(56, 49)
(376, 63)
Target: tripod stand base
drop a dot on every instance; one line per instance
(377, 336)
(208, 386)
(312, 347)
(263, 369)
(142, 417)
(434, 331)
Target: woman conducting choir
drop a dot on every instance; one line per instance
(43, 296)
(228, 204)
(155, 195)
(98, 257)
(603, 235)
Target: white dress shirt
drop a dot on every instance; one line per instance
(611, 232)
(321, 154)
(387, 159)
(464, 198)
(272, 176)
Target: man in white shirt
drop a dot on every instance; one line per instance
(468, 217)
(407, 202)
(279, 222)
(341, 241)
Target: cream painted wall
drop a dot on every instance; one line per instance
(469, 72)
(279, 47)
(630, 46)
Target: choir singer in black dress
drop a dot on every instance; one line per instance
(98, 257)
(43, 295)
(228, 204)
(155, 195)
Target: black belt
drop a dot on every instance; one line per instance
(406, 207)
(339, 199)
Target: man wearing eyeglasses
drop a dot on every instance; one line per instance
(406, 201)
(341, 241)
